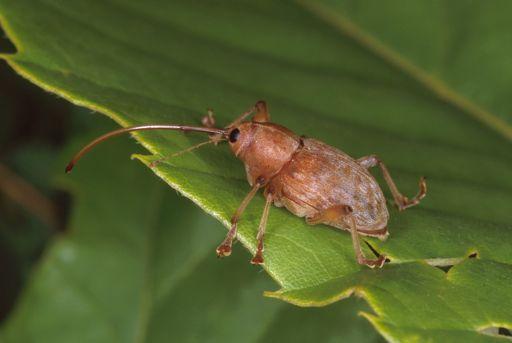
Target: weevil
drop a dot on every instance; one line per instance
(309, 178)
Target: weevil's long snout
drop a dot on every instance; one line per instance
(214, 131)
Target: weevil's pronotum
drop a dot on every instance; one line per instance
(310, 178)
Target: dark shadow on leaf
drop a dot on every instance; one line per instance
(497, 331)
(6, 45)
(445, 264)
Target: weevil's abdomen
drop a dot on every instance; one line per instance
(320, 176)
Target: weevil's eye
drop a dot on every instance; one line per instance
(233, 135)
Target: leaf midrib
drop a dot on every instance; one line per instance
(348, 28)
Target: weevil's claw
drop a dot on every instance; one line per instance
(223, 250)
(69, 167)
(257, 259)
(423, 188)
(404, 202)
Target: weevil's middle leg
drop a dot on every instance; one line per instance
(209, 119)
(343, 214)
(401, 201)
(224, 249)
(258, 257)
(262, 115)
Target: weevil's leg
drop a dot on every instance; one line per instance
(262, 115)
(329, 216)
(361, 259)
(225, 248)
(343, 214)
(401, 201)
(208, 120)
(258, 257)
(189, 149)
(244, 115)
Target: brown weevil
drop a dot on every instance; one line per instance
(309, 178)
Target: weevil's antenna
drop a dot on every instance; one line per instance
(210, 141)
(118, 132)
(244, 115)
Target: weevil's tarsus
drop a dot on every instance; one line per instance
(224, 249)
(401, 201)
(209, 119)
(118, 132)
(258, 257)
(262, 115)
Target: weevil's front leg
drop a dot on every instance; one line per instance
(401, 201)
(258, 257)
(225, 248)
(261, 115)
(343, 214)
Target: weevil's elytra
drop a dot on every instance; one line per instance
(309, 178)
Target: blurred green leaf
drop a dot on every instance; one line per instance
(160, 62)
(139, 265)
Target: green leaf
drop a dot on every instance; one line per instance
(139, 265)
(440, 53)
(157, 62)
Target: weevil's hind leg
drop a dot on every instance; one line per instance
(343, 214)
(224, 249)
(258, 257)
(361, 259)
(401, 201)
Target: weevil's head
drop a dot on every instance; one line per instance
(240, 134)
(240, 137)
(263, 147)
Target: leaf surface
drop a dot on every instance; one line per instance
(139, 266)
(157, 62)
